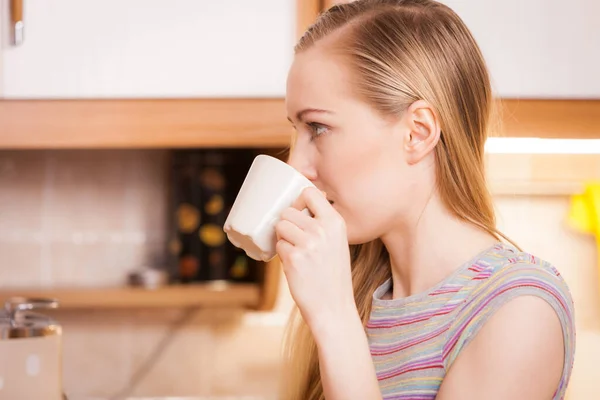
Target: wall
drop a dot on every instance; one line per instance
(88, 217)
(80, 217)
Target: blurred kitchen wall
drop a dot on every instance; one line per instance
(86, 218)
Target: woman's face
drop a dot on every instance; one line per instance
(347, 149)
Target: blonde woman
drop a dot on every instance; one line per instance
(404, 286)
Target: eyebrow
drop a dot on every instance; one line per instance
(302, 113)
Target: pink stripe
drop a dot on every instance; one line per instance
(414, 320)
(436, 366)
(386, 350)
(439, 292)
(410, 366)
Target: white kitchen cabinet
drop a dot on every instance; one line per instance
(536, 48)
(149, 49)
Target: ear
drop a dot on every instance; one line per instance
(423, 133)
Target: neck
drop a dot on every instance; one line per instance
(430, 247)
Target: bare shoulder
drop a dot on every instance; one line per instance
(517, 354)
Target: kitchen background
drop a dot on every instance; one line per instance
(100, 97)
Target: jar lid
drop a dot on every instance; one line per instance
(18, 321)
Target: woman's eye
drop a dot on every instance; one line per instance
(317, 129)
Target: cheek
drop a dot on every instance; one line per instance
(352, 159)
(366, 187)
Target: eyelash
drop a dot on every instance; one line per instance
(313, 127)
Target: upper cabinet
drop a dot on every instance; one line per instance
(148, 49)
(537, 48)
(543, 49)
(547, 49)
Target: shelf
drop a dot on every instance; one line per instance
(541, 174)
(536, 188)
(182, 123)
(118, 124)
(553, 119)
(177, 296)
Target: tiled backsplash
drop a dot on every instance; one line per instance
(87, 217)
(80, 217)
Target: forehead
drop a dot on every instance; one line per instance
(317, 79)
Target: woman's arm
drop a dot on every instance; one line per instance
(347, 370)
(517, 354)
(316, 261)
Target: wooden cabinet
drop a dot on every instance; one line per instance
(143, 123)
(74, 60)
(535, 48)
(149, 49)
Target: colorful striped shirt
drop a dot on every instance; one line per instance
(415, 340)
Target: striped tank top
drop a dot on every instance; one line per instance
(414, 340)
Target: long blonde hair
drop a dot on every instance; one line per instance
(401, 51)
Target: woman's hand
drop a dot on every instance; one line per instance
(316, 260)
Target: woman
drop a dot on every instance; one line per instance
(391, 103)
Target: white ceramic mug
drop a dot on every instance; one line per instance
(270, 187)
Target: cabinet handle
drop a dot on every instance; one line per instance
(16, 21)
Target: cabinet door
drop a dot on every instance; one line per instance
(535, 48)
(150, 48)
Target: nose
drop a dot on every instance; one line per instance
(302, 161)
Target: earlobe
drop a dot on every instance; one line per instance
(414, 149)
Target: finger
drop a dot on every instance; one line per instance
(284, 249)
(298, 218)
(290, 233)
(313, 199)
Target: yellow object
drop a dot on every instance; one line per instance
(188, 218)
(212, 235)
(584, 214)
(214, 205)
